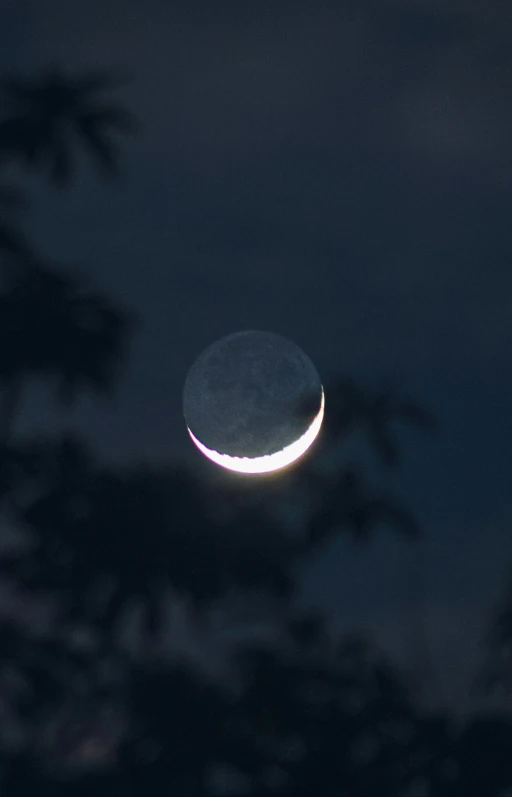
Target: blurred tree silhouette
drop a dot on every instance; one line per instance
(346, 503)
(496, 674)
(375, 412)
(47, 114)
(301, 714)
(144, 530)
(484, 751)
(53, 327)
(168, 745)
(95, 521)
(12, 240)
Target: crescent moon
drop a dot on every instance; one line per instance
(269, 462)
(253, 402)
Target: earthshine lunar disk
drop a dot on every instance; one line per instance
(245, 401)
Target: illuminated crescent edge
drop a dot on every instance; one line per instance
(269, 462)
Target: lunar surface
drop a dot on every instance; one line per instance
(253, 402)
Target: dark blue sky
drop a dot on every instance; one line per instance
(337, 173)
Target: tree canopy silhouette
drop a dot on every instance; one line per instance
(48, 116)
(300, 713)
(12, 240)
(54, 327)
(496, 674)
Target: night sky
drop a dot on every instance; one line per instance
(338, 173)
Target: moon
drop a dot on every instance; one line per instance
(253, 402)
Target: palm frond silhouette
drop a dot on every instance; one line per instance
(50, 116)
(375, 412)
(12, 240)
(344, 502)
(54, 327)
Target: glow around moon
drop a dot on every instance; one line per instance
(253, 402)
(268, 462)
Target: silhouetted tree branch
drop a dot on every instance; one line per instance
(49, 114)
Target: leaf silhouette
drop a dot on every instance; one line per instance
(50, 115)
(346, 503)
(375, 411)
(53, 326)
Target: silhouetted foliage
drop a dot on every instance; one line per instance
(302, 713)
(12, 240)
(496, 675)
(374, 411)
(54, 327)
(345, 503)
(145, 530)
(47, 114)
(169, 745)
